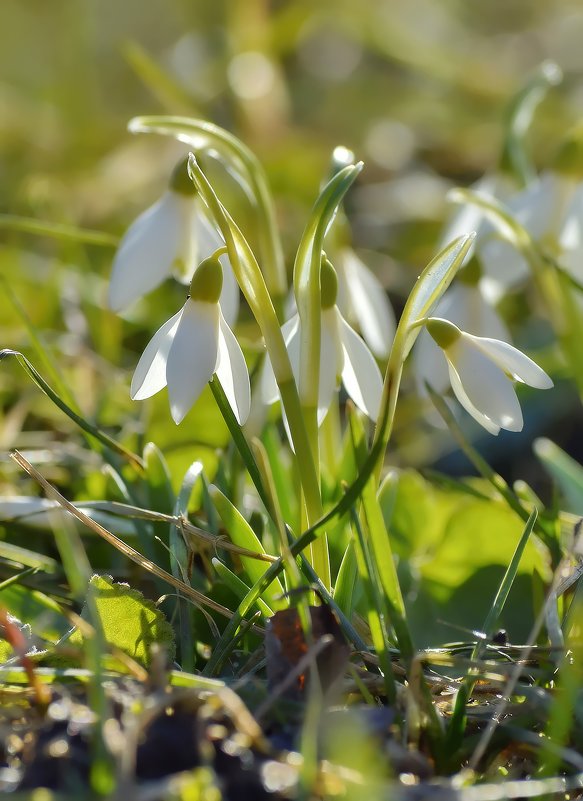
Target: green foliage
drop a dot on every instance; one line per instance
(453, 549)
(129, 622)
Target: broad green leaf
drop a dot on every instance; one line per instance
(455, 549)
(128, 620)
(458, 718)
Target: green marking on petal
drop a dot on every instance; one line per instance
(207, 281)
(443, 332)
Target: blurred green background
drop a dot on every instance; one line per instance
(417, 89)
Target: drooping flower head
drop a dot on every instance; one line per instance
(169, 239)
(344, 357)
(191, 347)
(483, 371)
(464, 305)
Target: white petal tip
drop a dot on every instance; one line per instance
(178, 414)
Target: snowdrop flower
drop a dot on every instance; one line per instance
(344, 357)
(169, 238)
(482, 372)
(464, 305)
(362, 299)
(191, 347)
(468, 217)
(549, 208)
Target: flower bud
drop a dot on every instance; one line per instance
(328, 284)
(443, 332)
(207, 281)
(180, 181)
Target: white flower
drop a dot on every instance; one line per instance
(344, 357)
(362, 298)
(550, 208)
(469, 217)
(169, 238)
(482, 372)
(190, 348)
(465, 306)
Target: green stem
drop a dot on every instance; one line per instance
(252, 283)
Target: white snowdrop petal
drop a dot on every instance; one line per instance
(466, 307)
(360, 374)
(571, 237)
(468, 217)
(429, 365)
(268, 384)
(481, 382)
(370, 305)
(513, 361)
(207, 237)
(331, 360)
(463, 398)
(150, 373)
(232, 372)
(269, 388)
(533, 207)
(504, 267)
(149, 249)
(193, 356)
(229, 300)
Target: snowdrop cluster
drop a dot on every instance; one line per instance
(465, 345)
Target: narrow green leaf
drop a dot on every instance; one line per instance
(27, 558)
(346, 581)
(89, 428)
(240, 441)
(160, 83)
(381, 550)
(500, 217)
(158, 479)
(430, 286)
(520, 114)
(565, 470)
(238, 587)
(69, 233)
(179, 562)
(243, 535)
